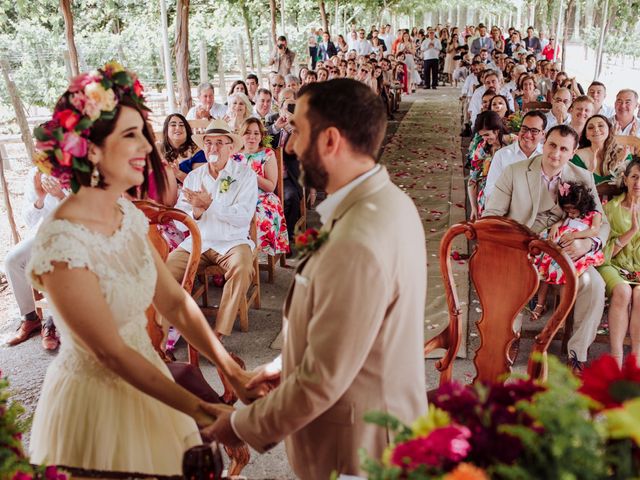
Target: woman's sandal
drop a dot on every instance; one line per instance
(538, 312)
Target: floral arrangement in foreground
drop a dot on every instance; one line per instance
(562, 429)
(13, 462)
(514, 121)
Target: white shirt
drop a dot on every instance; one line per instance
(470, 82)
(552, 121)
(31, 215)
(511, 86)
(217, 111)
(329, 204)
(388, 40)
(257, 115)
(606, 111)
(362, 46)
(225, 224)
(431, 52)
(628, 128)
(502, 159)
(475, 104)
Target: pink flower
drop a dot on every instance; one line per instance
(78, 100)
(64, 175)
(443, 445)
(75, 144)
(22, 476)
(51, 473)
(46, 145)
(78, 83)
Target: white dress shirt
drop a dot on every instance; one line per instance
(31, 215)
(552, 121)
(225, 224)
(470, 82)
(329, 204)
(627, 130)
(606, 110)
(475, 104)
(502, 159)
(217, 111)
(362, 46)
(431, 49)
(388, 40)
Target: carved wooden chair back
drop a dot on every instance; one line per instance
(542, 106)
(502, 271)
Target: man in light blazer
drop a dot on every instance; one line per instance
(527, 192)
(354, 316)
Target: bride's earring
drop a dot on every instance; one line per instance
(95, 176)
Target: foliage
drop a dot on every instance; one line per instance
(521, 430)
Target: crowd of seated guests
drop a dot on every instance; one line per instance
(548, 153)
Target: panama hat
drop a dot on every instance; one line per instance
(218, 128)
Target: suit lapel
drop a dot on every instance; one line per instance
(533, 180)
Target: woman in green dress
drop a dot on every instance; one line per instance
(621, 269)
(601, 154)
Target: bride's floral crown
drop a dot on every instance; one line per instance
(62, 143)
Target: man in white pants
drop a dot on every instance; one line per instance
(42, 196)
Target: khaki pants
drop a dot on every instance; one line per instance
(238, 266)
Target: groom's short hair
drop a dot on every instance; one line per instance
(564, 131)
(350, 106)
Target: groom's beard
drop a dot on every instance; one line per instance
(312, 172)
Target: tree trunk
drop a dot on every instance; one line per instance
(258, 62)
(18, 107)
(283, 12)
(182, 55)
(565, 34)
(272, 9)
(204, 62)
(247, 30)
(323, 16)
(15, 236)
(65, 6)
(116, 29)
(241, 58)
(166, 58)
(222, 83)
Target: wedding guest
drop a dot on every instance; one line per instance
(531, 42)
(42, 195)
(431, 48)
(581, 110)
(222, 198)
(108, 395)
(528, 193)
(272, 227)
(625, 121)
(282, 59)
(292, 82)
(253, 83)
(342, 334)
(262, 108)
(559, 113)
(207, 109)
(238, 111)
(177, 147)
(529, 93)
(482, 41)
(598, 92)
(326, 48)
(621, 270)
(277, 83)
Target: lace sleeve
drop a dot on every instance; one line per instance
(56, 242)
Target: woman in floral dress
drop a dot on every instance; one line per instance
(272, 228)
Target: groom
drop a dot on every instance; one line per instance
(354, 316)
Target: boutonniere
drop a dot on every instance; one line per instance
(309, 241)
(225, 183)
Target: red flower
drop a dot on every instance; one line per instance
(442, 446)
(137, 88)
(67, 118)
(610, 385)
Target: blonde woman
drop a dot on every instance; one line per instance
(238, 111)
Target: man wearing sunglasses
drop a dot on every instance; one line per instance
(276, 84)
(282, 59)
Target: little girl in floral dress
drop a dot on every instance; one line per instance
(581, 220)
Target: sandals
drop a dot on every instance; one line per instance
(538, 311)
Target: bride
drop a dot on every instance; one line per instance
(108, 402)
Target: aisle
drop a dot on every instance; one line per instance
(423, 158)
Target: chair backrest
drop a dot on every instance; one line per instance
(543, 106)
(159, 215)
(502, 271)
(198, 125)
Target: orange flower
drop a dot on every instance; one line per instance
(466, 471)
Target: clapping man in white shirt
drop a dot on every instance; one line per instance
(625, 121)
(529, 144)
(430, 55)
(222, 197)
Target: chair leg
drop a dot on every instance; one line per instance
(271, 262)
(568, 331)
(283, 260)
(240, 457)
(256, 300)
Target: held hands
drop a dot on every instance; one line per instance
(577, 248)
(221, 429)
(197, 199)
(247, 387)
(566, 239)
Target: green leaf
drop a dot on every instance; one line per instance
(75, 186)
(58, 134)
(81, 165)
(41, 134)
(121, 78)
(83, 124)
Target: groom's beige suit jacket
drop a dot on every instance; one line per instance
(354, 330)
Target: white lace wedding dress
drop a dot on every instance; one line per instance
(87, 416)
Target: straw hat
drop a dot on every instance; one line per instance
(219, 128)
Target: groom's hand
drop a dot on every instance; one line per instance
(221, 430)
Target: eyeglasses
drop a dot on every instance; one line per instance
(273, 85)
(218, 143)
(533, 131)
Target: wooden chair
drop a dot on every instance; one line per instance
(198, 125)
(542, 106)
(253, 293)
(501, 268)
(187, 375)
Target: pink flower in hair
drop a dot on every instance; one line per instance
(75, 144)
(78, 83)
(64, 175)
(46, 145)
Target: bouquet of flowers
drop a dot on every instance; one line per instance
(521, 429)
(514, 122)
(13, 462)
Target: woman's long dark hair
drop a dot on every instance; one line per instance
(170, 153)
(101, 129)
(239, 82)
